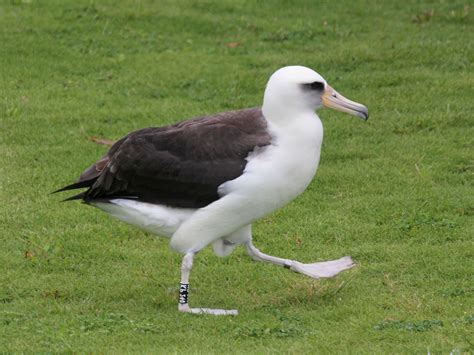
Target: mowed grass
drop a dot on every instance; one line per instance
(395, 193)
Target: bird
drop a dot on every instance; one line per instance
(205, 180)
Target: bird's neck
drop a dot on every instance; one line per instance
(281, 114)
(290, 119)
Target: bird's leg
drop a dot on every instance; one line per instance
(183, 305)
(316, 270)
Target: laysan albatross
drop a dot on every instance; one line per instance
(206, 180)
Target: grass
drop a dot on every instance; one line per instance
(396, 192)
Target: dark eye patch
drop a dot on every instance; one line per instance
(316, 85)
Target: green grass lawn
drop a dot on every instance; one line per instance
(395, 192)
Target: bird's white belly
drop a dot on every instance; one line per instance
(157, 219)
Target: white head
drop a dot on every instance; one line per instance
(296, 89)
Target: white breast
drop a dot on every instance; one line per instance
(276, 174)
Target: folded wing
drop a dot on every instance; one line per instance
(181, 165)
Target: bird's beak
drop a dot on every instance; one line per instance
(332, 99)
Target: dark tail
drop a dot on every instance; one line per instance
(77, 185)
(79, 196)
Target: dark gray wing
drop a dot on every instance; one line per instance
(180, 165)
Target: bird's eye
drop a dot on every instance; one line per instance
(315, 85)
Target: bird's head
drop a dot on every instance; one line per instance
(296, 88)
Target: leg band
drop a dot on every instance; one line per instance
(183, 293)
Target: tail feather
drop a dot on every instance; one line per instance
(79, 196)
(77, 185)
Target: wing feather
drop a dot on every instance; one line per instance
(180, 165)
